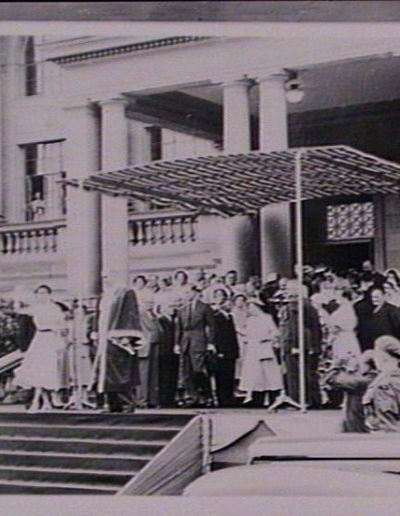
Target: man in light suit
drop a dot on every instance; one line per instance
(149, 355)
(195, 336)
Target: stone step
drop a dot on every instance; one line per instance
(34, 487)
(83, 446)
(139, 432)
(90, 418)
(58, 475)
(72, 460)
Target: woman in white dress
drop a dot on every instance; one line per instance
(261, 373)
(239, 314)
(40, 367)
(341, 325)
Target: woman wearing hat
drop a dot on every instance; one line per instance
(261, 373)
(382, 399)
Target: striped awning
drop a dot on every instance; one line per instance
(243, 183)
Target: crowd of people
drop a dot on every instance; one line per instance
(205, 340)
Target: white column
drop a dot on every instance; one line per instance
(83, 207)
(114, 210)
(275, 219)
(273, 113)
(236, 109)
(236, 251)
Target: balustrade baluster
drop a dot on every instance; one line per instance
(162, 231)
(20, 241)
(29, 243)
(54, 239)
(14, 248)
(38, 240)
(192, 223)
(182, 229)
(3, 243)
(133, 232)
(45, 240)
(171, 224)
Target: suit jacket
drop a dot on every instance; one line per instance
(225, 337)
(152, 333)
(168, 335)
(195, 327)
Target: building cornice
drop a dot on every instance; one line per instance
(126, 49)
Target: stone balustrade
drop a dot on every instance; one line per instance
(31, 238)
(162, 228)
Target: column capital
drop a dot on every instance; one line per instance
(274, 79)
(243, 82)
(117, 101)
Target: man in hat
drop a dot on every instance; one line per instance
(195, 336)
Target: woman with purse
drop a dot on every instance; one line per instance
(261, 373)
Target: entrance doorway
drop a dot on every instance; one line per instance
(338, 232)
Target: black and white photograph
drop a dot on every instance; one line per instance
(200, 257)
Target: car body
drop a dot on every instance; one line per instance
(345, 465)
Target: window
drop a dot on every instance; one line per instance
(155, 137)
(350, 221)
(45, 195)
(31, 76)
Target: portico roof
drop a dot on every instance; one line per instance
(242, 183)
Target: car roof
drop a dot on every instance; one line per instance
(293, 480)
(346, 446)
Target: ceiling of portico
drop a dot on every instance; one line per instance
(199, 108)
(328, 86)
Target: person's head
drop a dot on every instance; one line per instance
(139, 282)
(43, 293)
(181, 277)
(152, 281)
(220, 296)
(393, 276)
(328, 281)
(377, 297)
(387, 352)
(113, 279)
(388, 288)
(239, 301)
(367, 266)
(231, 278)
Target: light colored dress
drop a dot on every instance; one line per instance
(40, 367)
(341, 326)
(240, 322)
(260, 371)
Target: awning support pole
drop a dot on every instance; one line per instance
(300, 299)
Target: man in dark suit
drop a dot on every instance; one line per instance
(227, 350)
(195, 336)
(169, 360)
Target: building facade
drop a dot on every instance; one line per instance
(74, 106)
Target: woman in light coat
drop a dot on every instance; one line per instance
(261, 372)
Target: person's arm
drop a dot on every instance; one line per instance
(387, 408)
(210, 328)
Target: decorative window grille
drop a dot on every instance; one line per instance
(350, 221)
